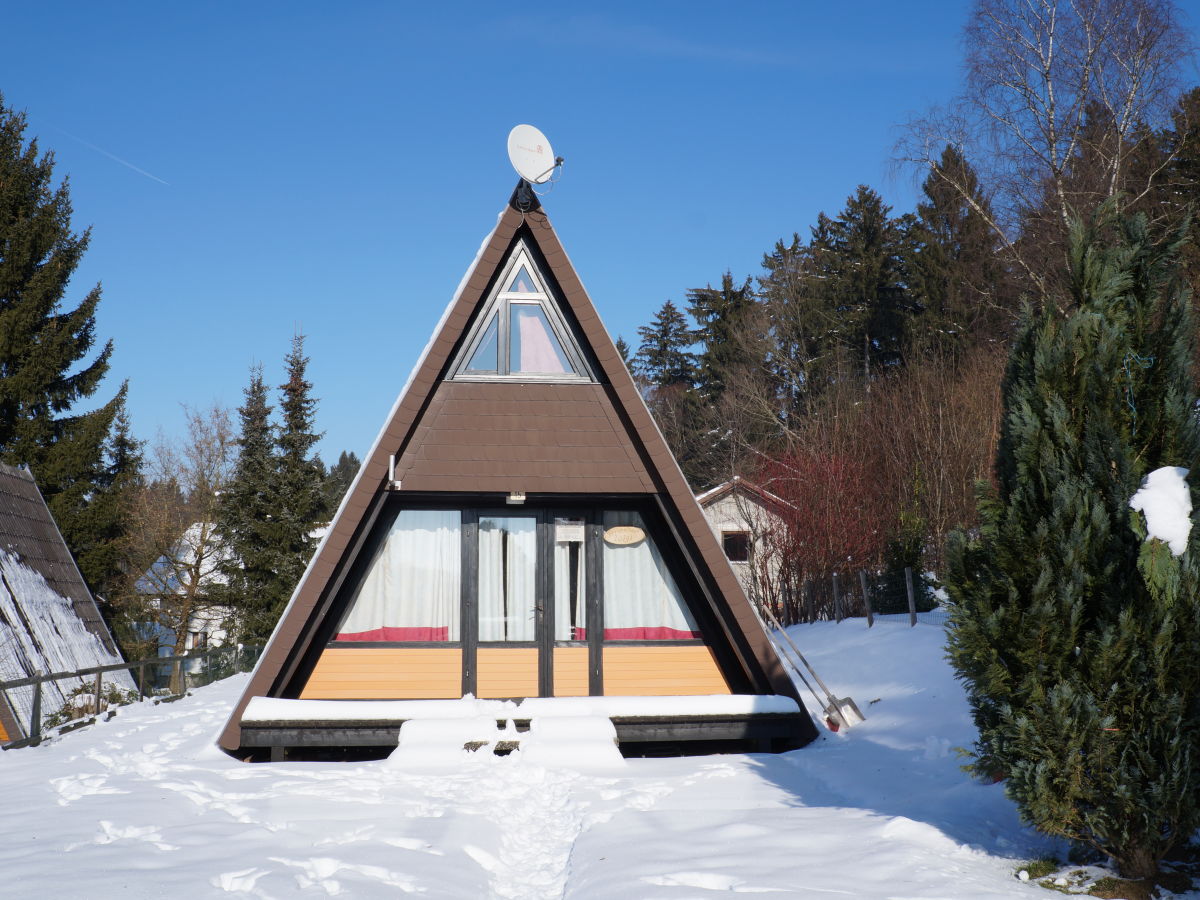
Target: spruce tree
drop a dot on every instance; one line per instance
(300, 503)
(721, 315)
(246, 517)
(623, 350)
(340, 476)
(44, 348)
(800, 328)
(953, 272)
(105, 521)
(1074, 635)
(663, 358)
(859, 258)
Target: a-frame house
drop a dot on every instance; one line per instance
(519, 530)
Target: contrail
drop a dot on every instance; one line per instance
(114, 157)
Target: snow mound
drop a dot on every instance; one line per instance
(1166, 501)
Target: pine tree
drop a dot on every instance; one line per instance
(246, 517)
(300, 504)
(341, 475)
(800, 329)
(859, 261)
(663, 358)
(953, 272)
(106, 519)
(623, 350)
(721, 315)
(44, 370)
(1075, 637)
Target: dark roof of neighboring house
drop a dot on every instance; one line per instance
(28, 531)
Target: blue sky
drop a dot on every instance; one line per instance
(254, 169)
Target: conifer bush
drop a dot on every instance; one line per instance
(1075, 636)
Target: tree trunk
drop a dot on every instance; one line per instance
(1138, 863)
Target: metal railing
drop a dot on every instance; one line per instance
(162, 678)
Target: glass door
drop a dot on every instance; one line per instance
(507, 579)
(507, 612)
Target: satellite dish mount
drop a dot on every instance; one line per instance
(530, 153)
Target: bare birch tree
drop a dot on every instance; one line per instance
(1062, 100)
(173, 550)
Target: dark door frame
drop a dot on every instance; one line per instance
(544, 606)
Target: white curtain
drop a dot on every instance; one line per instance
(411, 592)
(641, 599)
(507, 560)
(563, 578)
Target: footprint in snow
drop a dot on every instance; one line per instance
(110, 833)
(74, 787)
(319, 872)
(241, 881)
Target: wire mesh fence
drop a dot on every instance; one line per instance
(41, 705)
(850, 594)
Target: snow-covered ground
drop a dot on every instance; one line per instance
(145, 806)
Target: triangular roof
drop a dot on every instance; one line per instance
(626, 455)
(740, 486)
(49, 621)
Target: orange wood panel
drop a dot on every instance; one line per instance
(386, 673)
(658, 670)
(506, 672)
(570, 671)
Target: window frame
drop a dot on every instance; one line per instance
(739, 533)
(499, 305)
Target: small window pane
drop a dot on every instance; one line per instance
(737, 545)
(641, 600)
(534, 347)
(485, 357)
(570, 605)
(411, 591)
(521, 283)
(507, 583)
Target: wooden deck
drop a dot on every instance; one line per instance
(636, 735)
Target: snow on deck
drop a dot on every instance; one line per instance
(270, 709)
(145, 806)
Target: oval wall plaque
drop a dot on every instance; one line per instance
(624, 535)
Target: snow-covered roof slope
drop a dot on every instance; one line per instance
(28, 531)
(39, 634)
(48, 619)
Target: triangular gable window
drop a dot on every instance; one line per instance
(521, 283)
(521, 333)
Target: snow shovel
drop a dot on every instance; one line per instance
(839, 712)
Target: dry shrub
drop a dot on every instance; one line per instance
(865, 464)
(933, 430)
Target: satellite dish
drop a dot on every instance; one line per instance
(530, 154)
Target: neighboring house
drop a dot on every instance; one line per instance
(750, 523)
(49, 621)
(176, 587)
(178, 584)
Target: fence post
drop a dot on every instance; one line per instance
(35, 717)
(837, 599)
(141, 682)
(99, 690)
(862, 579)
(912, 600)
(807, 590)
